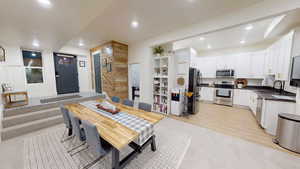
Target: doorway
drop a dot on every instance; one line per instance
(97, 67)
(134, 81)
(66, 73)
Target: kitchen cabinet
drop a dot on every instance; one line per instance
(278, 57)
(270, 112)
(241, 97)
(253, 102)
(207, 94)
(251, 65)
(226, 62)
(207, 66)
(284, 57)
(243, 65)
(258, 65)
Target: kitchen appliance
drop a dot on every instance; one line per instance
(295, 73)
(223, 94)
(225, 73)
(192, 88)
(177, 102)
(287, 135)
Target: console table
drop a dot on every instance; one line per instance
(10, 103)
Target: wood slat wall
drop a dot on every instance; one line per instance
(114, 83)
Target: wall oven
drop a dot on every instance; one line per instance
(224, 94)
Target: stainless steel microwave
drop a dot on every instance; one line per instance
(225, 73)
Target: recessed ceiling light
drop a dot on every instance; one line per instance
(242, 42)
(191, 1)
(134, 24)
(208, 46)
(81, 44)
(35, 43)
(45, 3)
(202, 38)
(249, 27)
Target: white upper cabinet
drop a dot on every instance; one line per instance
(243, 65)
(284, 57)
(258, 65)
(207, 66)
(278, 57)
(226, 62)
(275, 60)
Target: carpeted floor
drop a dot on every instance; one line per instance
(179, 144)
(45, 151)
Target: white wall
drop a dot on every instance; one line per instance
(12, 71)
(140, 52)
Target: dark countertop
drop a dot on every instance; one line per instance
(266, 93)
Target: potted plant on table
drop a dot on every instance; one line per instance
(158, 51)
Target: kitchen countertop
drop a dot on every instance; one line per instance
(266, 93)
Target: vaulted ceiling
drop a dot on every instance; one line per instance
(95, 21)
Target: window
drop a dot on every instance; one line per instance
(33, 66)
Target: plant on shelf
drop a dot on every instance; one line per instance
(158, 50)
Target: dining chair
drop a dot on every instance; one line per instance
(128, 102)
(145, 106)
(95, 144)
(116, 99)
(67, 122)
(79, 133)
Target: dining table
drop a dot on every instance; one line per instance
(131, 127)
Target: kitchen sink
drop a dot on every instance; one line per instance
(283, 97)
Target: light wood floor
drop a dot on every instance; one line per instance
(236, 122)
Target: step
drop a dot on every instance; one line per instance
(29, 109)
(26, 128)
(28, 117)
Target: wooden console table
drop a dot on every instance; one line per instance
(9, 103)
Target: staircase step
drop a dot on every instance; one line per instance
(30, 109)
(18, 130)
(28, 117)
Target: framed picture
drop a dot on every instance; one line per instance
(81, 63)
(2, 54)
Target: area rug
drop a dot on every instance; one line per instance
(46, 152)
(56, 99)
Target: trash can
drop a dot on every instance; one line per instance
(288, 132)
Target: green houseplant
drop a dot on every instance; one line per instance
(158, 50)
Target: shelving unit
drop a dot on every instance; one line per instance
(161, 89)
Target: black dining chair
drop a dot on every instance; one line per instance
(79, 134)
(67, 122)
(95, 144)
(145, 106)
(116, 99)
(128, 102)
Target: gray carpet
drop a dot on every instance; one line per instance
(46, 152)
(56, 99)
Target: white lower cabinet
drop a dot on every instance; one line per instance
(270, 112)
(241, 97)
(253, 102)
(207, 94)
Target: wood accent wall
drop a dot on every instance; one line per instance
(114, 83)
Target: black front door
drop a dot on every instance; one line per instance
(66, 73)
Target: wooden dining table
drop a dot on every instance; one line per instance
(115, 133)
